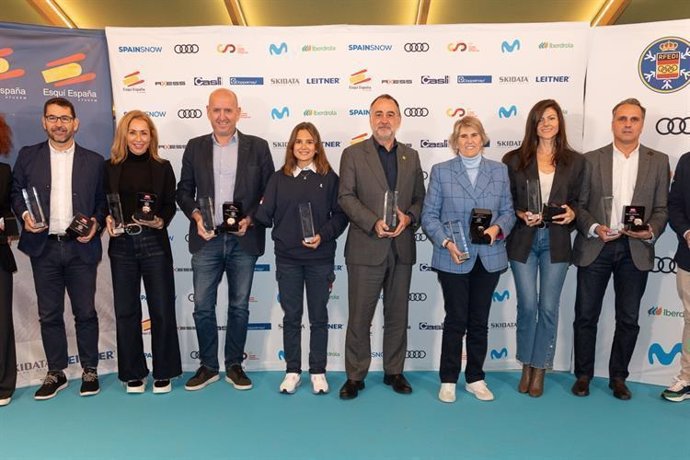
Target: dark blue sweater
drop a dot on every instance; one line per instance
(280, 210)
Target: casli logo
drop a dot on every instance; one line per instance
(662, 357)
(666, 126)
(499, 354)
(424, 326)
(427, 144)
(427, 80)
(510, 47)
(507, 112)
(279, 114)
(186, 48)
(201, 81)
(425, 268)
(501, 296)
(5, 72)
(274, 49)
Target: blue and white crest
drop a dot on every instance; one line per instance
(664, 65)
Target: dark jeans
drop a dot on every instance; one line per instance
(292, 279)
(223, 254)
(8, 356)
(629, 284)
(57, 269)
(133, 258)
(467, 301)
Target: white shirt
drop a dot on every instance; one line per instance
(61, 212)
(310, 167)
(545, 184)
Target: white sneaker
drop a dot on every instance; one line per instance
(5, 401)
(447, 393)
(480, 390)
(319, 384)
(162, 386)
(136, 386)
(290, 383)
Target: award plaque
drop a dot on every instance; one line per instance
(607, 210)
(81, 225)
(33, 206)
(456, 234)
(232, 214)
(145, 203)
(480, 221)
(115, 209)
(390, 207)
(633, 218)
(534, 197)
(307, 220)
(208, 214)
(550, 211)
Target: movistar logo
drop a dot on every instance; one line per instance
(499, 354)
(501, 296)
(274, 49)
(279, 114)
(507, 112)
(510, 47)
(664, 358)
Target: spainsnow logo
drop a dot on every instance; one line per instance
(474, 79)
(664, 66)
(277, 49)
(280, 113)
(664, 358)
(501, 296)
(499, 354)
(140, 49)
(243, 81)
(510, 47)
(369, 47)
(156, 113)
(229, 48)
(507, 112)
(5, 72)
(358, 112)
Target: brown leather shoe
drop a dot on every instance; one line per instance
(581, 387)
(523, 386)
(536, 384)
(620, 390)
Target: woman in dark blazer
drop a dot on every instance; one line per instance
(8, 358)
(468, 281)
(142, 252)
(539, 247)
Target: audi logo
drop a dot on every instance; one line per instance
(416, 112)
(675, 126)
(415, 354)
(189, 113)
(664, 265)
(420, 236)
(190, 297)
(417, 296)
(422, 47)
(194, 354)
(186, 49)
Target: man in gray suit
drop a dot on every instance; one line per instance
(604, 245)
(378, 256)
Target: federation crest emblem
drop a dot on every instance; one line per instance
(664, 66)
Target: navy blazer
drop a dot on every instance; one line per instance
(451, 197)
(254, 168)
(679, 209)
(6, 258)
(32, 169)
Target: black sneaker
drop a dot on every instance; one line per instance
(236, 377)
(54, 382)
(136, 386)
(89, 382)
(162, 386)
(203, 377)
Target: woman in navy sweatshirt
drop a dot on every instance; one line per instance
(306, 180)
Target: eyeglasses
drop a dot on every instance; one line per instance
(64, 119)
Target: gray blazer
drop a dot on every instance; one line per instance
(362, 187)
(651, 191)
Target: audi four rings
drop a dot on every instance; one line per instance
(416, 112)
(415, 354)
(189, 113)
(416, 47)
(664, 265)
(186, 49)
(675, 126)
(417, 296)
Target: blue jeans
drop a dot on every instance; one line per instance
(292, 279)
(537, 309)
(223, 254)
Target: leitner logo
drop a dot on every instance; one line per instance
(186, 49)
(501, 296)
(499, 354)
(189, 113)
(552, 79)
(274, 49)
(279, 114)
(246, 80)
(507, 112)
(665, 359)
(666, 126)
(510, 47)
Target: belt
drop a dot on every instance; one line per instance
(63, 237)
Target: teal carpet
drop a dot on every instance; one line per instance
(222, 423)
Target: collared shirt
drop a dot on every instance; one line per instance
(297, 171)
(389, 161)
(224, 173)
(61, 212)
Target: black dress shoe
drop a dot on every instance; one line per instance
(399, 383)
(351, 388)
(581, 387)
(620, 390)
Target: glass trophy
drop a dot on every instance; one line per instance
(145, 203)
(232, 214)
(307, 220)
(607, 208)
(115, 209)
(208, 214)
(81, 225)
(390, 207)
(456, 234)
(33, 206)
(534, 206)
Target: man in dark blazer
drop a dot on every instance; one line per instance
(679, 219)
(226, 166)
(379, 257)
(604, 246)
(69, 180)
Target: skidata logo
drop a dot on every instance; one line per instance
(280, 113)
(664, 358)
(277, 49)
(507, 112)
(510, 47)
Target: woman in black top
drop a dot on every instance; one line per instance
(144, 182)
(305, 180)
